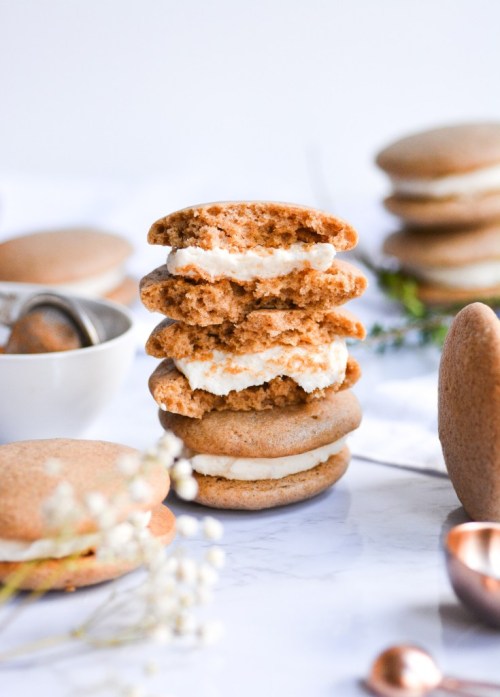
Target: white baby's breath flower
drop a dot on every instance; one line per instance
(181, 469)
(185, 623)
(128, 465)
(204, 595)
(106, 519)
(216, 556)
(210, 632)
(64, 490)
(207, 575)
(187, 525)
(187, 570)
(96, 502)
(187, 599)
(133, 691)
(161, 633)
(186, 489)
(139, 489)
(212, 528)
(53, 466)
(170, 445)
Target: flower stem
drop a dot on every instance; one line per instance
(40, 644)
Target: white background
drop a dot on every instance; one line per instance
(276, 99)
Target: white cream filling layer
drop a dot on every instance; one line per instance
(312, 367)
(92, 286)
(259, 262)
(479, 181)
(95, 286)
(47, 548)
(253, 469)
(480, 275)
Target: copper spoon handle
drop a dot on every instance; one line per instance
(460, 687)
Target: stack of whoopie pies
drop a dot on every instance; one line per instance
(255, 371)
(446, 191)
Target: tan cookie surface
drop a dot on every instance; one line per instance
(61, 256)
(203, 303)
(277, 432)
(469, 410)
(244, 224)
(259, 330)
(86, 465)
(86, 570)
(218, 492)
(427, 212)
(440, 296)
(445, 248)
(171, 389)
(441, 151)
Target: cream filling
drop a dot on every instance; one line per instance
(47, 548)
(483, 274)
(259, 262)
(479, 181)
(312, 367)
(92, 286)
(253, 469)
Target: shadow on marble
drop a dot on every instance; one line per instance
(340, 508)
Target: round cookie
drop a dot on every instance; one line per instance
(172, 392)
(79, 261)
(205, 303)
(218, 492)
(259, 331)
(425, 251)
(439, 296)
(446, 212)
(469, 410)
(86, 570)
(278, 432)
(245, 224)
(445, 248)
(88, 466)
(442, 151)
(447, 176)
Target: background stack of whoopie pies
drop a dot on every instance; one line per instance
(255, 373)
(446, 192)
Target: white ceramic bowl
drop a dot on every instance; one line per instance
(49, 395)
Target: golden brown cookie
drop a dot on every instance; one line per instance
(88, 569)
(277, 432)
(79, 261)
(445, 176)
(240, 225)
(258, 331)
(445, 212)
(442, 151)
(86, 465)
(218, 492)
(445, 248)
(469, 410)
(439, 296)
(204, 303)
(425, 252)
(172, 392)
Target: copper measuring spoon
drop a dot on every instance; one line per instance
(410, 671)
(473, 563)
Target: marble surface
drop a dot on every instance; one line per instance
(309, 596)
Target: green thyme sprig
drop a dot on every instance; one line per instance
(421, 326)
